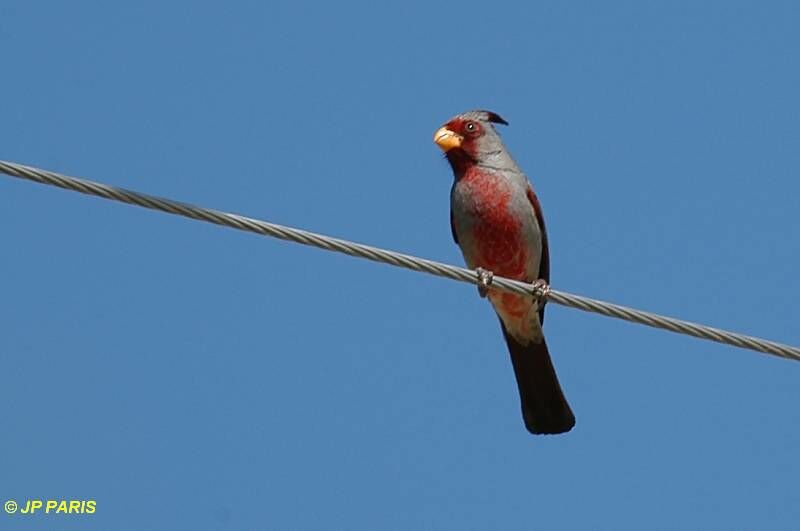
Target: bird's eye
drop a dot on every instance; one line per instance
(471, 127)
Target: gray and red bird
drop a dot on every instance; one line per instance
(497, 222)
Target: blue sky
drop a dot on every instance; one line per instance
(187, 376)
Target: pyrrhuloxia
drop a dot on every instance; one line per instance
(497, 222)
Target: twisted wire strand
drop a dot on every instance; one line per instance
(394, 258)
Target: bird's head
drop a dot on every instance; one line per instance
(470, 138)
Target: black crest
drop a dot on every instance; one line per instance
(495, 118)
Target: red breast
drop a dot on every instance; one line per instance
(496, 230)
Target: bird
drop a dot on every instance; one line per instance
(497, 222)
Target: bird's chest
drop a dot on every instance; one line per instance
(492, 224)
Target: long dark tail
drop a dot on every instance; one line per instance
(544, 407)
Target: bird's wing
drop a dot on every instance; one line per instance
(453, 227)
(544, 261)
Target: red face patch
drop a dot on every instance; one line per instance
(470, 130)
(466, 128)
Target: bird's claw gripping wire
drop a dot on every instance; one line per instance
(541, 289)
(484, 281)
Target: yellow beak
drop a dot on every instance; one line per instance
(447, 139)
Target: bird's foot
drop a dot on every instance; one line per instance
(541, 289)
(484, 281)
